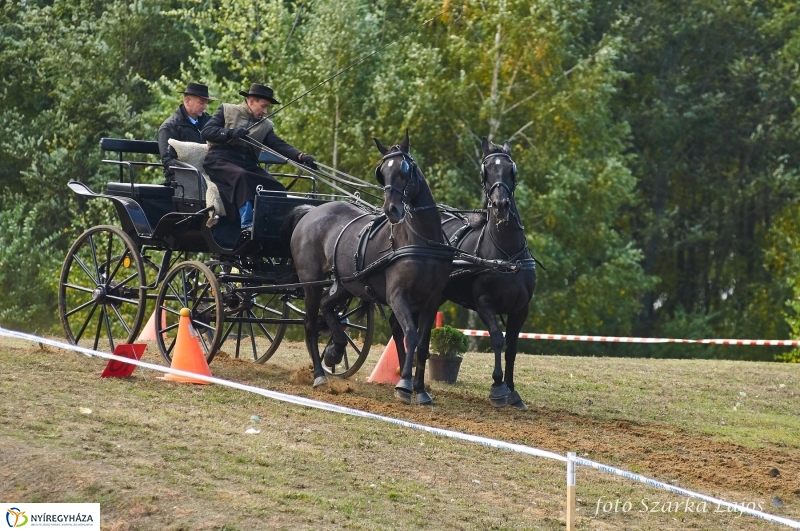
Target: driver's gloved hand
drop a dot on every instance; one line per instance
(308, 160)
(239, 132)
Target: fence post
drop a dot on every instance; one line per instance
(571, 491)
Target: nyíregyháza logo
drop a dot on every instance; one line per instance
(15, 517)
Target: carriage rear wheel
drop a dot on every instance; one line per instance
(357, 320)
(101, 301)
(194, 286)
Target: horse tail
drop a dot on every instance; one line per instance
(290, 222)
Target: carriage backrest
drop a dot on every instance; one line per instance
(124, 145)
(154, 199)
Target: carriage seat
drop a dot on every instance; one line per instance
(192, 182)
(138, 191)
(141, 191)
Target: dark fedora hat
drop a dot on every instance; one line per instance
(197, 89)
(260, 91)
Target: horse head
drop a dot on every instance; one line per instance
(498, 178)
(399, 176)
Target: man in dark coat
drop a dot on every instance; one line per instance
(232, 163)
(184, 125)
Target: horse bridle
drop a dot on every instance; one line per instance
(488, 192)
(408, 168)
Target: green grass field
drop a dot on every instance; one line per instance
(160, 455)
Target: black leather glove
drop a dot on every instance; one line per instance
(239, 132)
(308, 160)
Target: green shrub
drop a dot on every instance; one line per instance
(448, 341)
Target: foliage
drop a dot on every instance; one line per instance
(448, 341)
(71, 75)
(656, 141)
(711, 100)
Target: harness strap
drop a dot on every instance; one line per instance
(339, 238)
(441, 253)
(366, 234)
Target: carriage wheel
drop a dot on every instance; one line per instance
(246, 314)
(189, 285)
(358, 322)
(100, 295)
(252, 335)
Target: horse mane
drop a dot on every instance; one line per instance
(476, 220)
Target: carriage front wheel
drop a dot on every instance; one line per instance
(250, 327)
(101, 301)
(194, 286)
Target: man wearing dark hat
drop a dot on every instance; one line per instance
(184, 124)
(232, 163)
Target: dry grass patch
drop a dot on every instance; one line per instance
(160, 455)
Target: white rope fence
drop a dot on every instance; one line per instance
(654, 340)
(571, 460)
(733, 507)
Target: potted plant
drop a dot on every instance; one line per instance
(449, 344)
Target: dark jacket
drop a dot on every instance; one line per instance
(216, 131)
(180, 128)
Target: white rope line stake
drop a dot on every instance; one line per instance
(622, 339)
(297, 400)
(571, 512)
(732, 507)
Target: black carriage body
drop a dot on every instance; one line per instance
(173, 217)
(269, 212)
(246, 292)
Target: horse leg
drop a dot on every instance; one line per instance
(312, 298)
(515, 323)
(404, 387)
(397, 335)
(498, 394)
(424, 324)
(334, 352)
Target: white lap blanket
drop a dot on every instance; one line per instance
(194, 154)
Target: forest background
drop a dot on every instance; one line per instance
(658, 141)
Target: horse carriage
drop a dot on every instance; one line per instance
(241, 288)
(307, 253)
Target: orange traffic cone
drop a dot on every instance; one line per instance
(388, 368)
(187, 354)
(149, 331)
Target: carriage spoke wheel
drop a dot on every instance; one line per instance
(251, 334)
(247, 330)
(101, 302)
(357, 319)
(189, 285)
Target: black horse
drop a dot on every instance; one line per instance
(497, 235)
(404, 263)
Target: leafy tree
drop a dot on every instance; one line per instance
(711, 101)
(72, 75)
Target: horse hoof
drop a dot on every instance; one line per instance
(499, 402)
(423, 399)
(331, 357)
(404, 385)
(499, 392)
(320, 380)
(403, 396)
(515, 400)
